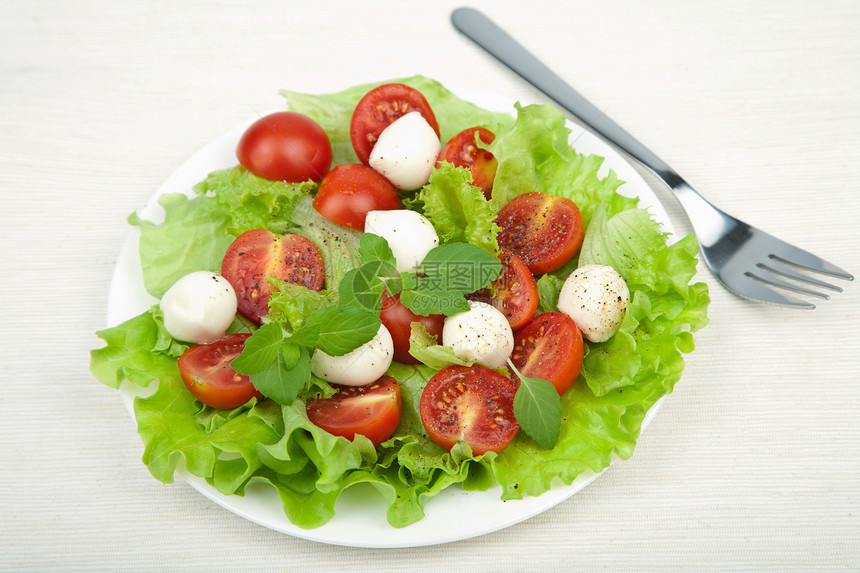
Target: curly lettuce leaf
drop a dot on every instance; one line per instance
(253, 202)
(457, 209)
(534, 155)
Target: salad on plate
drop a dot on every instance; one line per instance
(392, 286)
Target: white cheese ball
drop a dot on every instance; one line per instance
(406, 152)
(481, 334)
(595, 297)
(409, 234)
(199, 307)
(362, 366)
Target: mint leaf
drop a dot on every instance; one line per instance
(261, 349)
(344, 328)
(537, 408)
(283, 384)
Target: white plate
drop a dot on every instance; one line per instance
(360, 519)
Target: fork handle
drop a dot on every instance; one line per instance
(507, 50)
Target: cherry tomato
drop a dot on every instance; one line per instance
(206, 370)
(257, 255)
(380, 107)
(398, 320)
(372, 411)
(462, 150)
(515, 292)
(470, 403)
(543, 230)
(549, 347)
(285, 146)
(348, 192)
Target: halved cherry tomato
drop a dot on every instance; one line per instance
(285, 146)
(398, 320)
(462, 150)
(379, 108)
(543, 230)
(473, 404)
(372, 411)
(549, 347)
(515, 292)
(348, 192)
(257, 255)
(206, 370)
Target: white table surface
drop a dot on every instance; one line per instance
(752, 463)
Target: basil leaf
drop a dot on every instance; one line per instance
(283, 384)
(261, 349)
(537, 408)
(439, 302)
(344, 328)
(307, 335)
(458, 267)
(374, 249)
(290, 352)
(362, 287)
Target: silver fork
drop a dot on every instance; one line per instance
(748, 261)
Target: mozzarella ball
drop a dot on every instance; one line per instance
(360, 367)
(595, 297)
(406, 152)
(481, 334)
(409, 234)
(199, 307)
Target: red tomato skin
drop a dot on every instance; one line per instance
(462, 150)
(543, 230)
(550, 347)
(516, 291)
(345, 415)
(259, 254)
(348, 192)
(206, 371)
(398, 320)
(379, 108)
(485, 396)
(285, 146)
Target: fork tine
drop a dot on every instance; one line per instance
(777, 282)
(796, 256)
(775, 268)
(755, 288)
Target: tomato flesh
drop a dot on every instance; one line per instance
(372, 411)
(398, 320)
(206, 371)
(285, 146)
(257, 255)
(543, 230)
(514, 293)
(379, 108)
(348, 192)
(462, 150)
(550, 347)
(473, 404)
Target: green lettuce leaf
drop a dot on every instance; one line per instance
(253, 202)
(457, 209)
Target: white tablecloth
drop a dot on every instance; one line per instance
(751, 463)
